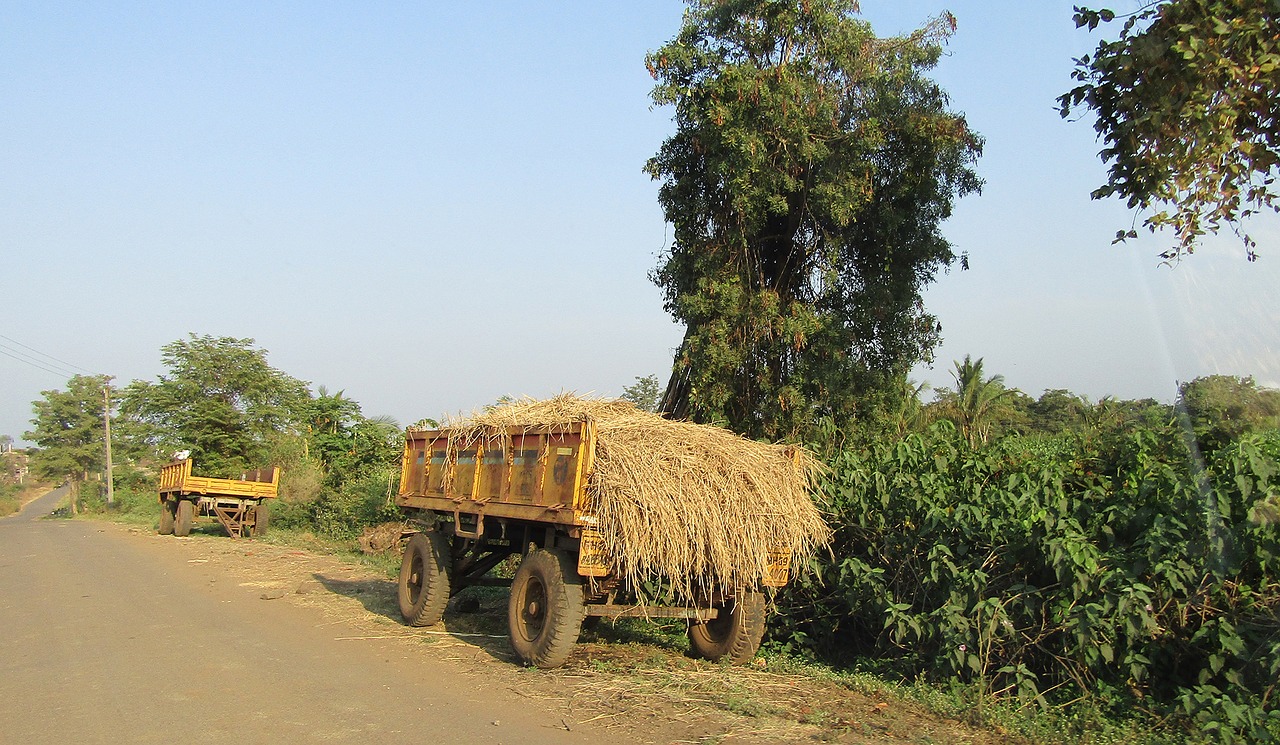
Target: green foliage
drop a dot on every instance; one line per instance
(1186, 102)
(1221, 408)
(810, 169)
(363, 500)
(9, 503)
(645, 393)
(978, 402)
(344, 441)
(68, 429)
(1046, 572)
(1058, 410)
(134, 502)
(219, 399)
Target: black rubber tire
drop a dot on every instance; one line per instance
(166, 517)
(261, 519)
(545, 612)
(734, 634)
(185, 517)
(424, 579)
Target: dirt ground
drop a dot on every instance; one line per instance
(616, 679)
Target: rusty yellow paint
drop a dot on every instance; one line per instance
(778, 571)
(592, 560)
(176, 478)
(550, 489)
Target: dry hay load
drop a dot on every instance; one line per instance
(693, 507)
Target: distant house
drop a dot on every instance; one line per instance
(13, 464)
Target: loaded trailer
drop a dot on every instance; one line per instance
(240, 505)
(530, 490)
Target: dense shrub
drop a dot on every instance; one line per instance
(1048, 568)
(129, 499)
(362, 501)
(9, 503)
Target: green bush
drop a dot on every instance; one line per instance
(359, 502)
(143, 504)
(9, 499)
(1119, 570)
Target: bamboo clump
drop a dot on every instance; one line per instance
(690, 508)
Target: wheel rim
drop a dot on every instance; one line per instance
(533, 609)
(415, 578)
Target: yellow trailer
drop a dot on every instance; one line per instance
(238, 504)
(524, 493)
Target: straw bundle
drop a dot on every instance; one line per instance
(694, 508)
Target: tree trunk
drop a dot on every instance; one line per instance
(674, 403)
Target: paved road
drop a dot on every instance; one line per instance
(107, 640)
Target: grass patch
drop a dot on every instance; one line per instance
(1079, 722)
(14, 496)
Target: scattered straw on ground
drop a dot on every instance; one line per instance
(691, 506)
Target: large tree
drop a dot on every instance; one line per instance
(68, 429)
(811, 166)
(220, 400)
(1187, 100)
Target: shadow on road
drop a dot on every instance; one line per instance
(478, 622)
(376, 595)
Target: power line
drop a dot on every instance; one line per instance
(48, 356)
(21, 356)
(33, 363)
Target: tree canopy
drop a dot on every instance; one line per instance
(68, 429)
(811, 166)
(976, 400)
(1186, 100)
(343, 440)
(220, 400)
(1222, 408)
(645, 393)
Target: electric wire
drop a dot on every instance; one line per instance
(42, 354)
(44, 361)
(6, 353)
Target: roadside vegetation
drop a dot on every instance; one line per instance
(1066, 569)
(9, 503)
(1060, 568)
(16, 486)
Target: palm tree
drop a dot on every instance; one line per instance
(976, 399)
(910, 413)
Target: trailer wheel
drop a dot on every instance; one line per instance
(261, 519)
(424, 578)
(186, 516)
(545, 611)
(734, 634)
(166, 517)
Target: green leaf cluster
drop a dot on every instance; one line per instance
(68, 429)
(645, 393)
(1121, 568)
(810, 169)
(343, 440)
(1221, 408)
(219, 399)
(1186, 100)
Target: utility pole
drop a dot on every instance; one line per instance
(106, 420)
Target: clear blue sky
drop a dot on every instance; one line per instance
(429, 205)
